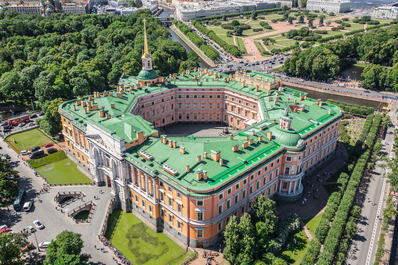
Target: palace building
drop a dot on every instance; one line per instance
(189, 186)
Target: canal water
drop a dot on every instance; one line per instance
(174, 36)
(349, 100)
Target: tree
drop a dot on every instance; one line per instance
(290, 20)
(8, 183)
(247, 252)
(51, 122)
(321, 20)
(66, 249)
(254, 15)
(10, 86)
(232, 240)
(303, 3)
(10, 248)
(301, 19)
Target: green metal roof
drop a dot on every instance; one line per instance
(147, 75)
(274, 104)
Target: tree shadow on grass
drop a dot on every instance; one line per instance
(139, 233)
(295, 244)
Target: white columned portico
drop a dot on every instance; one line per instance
(290, 187)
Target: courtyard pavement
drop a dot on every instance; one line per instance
(55, 221)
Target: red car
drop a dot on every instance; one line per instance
(48, 145)
(4, 230)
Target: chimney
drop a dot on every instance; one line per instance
(119, 95)
(247, 138)
(204, 155)
(182, 150)
(83, 103)
(269, 136)
(164, 139)
(171, 144)
(260, 138)
(199, 175)
(85, 110)
(221, 161)
(74, 107)
(204, 174)
(139, 135)
(245, 144)
(187, 168)
(235, 148)
(174, 144)
(215, 155)
(102, 113)
(251, 141)
(199, 158)
(108, 116)
(231, 137)
(79, 102)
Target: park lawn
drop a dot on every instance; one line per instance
(51, 158)
(140, 244)
(297, 246)
(28, 139)
(64, 171)
(313, 223)
(222, 33)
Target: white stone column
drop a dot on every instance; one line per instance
(299, 183)
(280, 186)
(295, 186)
(139, 178)
(290, 187)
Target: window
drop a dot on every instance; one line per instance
(288, 158)
(161, 212)
(219, 226)
(258, 184)
(179, 224)
(179, 207)
(199, 203)
(136, 198)
(220, 196)
(251, 177)
(229, 191)
(287, 171)
(143, 203)
(219, 209)
(150, 208)
(244, 181)
(178, 195)
(251, 189)
(161, 196)
(244, 194)
(199, 233)
(259, 172)
(236, 198)
(199, 216)
(170, 189)
(170, 218)
(228, 204)
(170, 201)
(237, 186)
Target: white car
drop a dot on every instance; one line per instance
(44, 244)
(25, 152)
(38, 224)
(3, 226)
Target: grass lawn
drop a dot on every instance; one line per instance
(140, 244)
(63, 171)
(241, 46)
(54, 157)
(296, 247)
(28, 139)
(313, 223)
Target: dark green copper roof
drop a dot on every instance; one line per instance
(147, 75)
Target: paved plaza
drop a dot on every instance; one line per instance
(56, 221)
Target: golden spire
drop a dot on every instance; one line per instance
(146, 53)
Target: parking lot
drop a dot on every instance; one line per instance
(45, 209)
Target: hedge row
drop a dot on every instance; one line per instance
(262, 11)
(199, 42)
(232, 49)
(352, 108)
(338, 226)
(332, 225)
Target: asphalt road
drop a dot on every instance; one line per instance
(54, 220)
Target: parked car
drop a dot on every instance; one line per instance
(27, 206)
(49, 145)
(25, 152)
(33, 116)
(44, 244)
(36, 148)
(31, 229)
(39, 153)
(5, 230)
(3, 226)
(38, 224)
(52, 150)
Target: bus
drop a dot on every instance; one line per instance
(19, 200)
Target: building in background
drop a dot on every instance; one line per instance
(335, 6)
(386, 12)
(24, 7)
(185, 10)
(189, 186)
